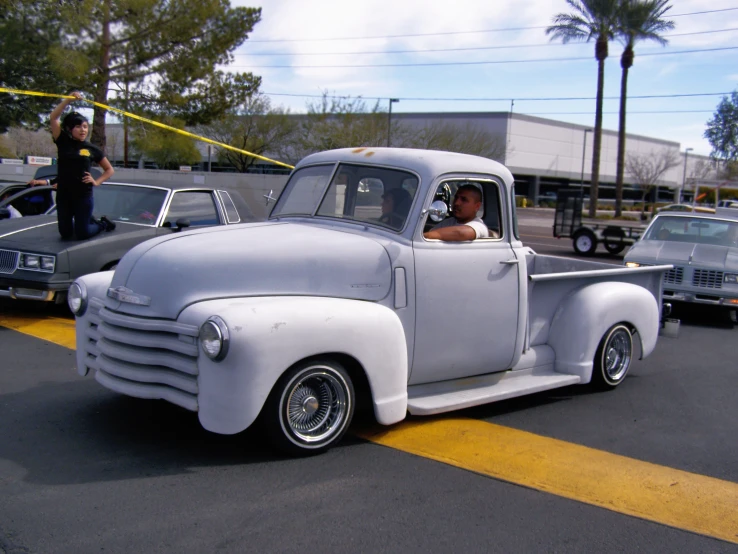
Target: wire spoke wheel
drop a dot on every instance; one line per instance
(613, 357)
(310, 408)
(315, 405)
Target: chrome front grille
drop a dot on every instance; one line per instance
(150, 358)
(674, 276)
(707, 278)
(8, 261)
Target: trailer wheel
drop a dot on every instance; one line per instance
(613, 357)
(612, 238)
(585, 242)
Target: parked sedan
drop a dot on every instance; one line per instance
(704, 251)
(685, 208)
(37, 264)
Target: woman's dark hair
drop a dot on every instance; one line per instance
(72, 119)
(401, 200)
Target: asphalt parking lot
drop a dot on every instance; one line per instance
(651, 466)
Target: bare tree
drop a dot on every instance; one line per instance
(468, 139)
(255, 127)
(340, 122)
(647, 169)
(111, 147)
(7, 148)
(31, 143)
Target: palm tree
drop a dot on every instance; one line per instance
(639, 20)
(590, 20)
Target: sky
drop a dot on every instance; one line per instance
(433, 56)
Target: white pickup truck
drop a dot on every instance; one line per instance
(338, 300)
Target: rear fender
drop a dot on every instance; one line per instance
(268, 335)
(585, 315)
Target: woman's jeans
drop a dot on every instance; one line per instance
(74, 216)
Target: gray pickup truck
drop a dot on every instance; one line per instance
(339, 300)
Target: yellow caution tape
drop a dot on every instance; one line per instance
(150, 121)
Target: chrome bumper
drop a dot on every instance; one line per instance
(22, 293)
(699, 298)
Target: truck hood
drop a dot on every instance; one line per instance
(257, 259)
(680, 253)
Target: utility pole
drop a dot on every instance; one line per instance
(125, 119)
(389, 119)
(684, 177)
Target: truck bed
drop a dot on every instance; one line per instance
(551, 278)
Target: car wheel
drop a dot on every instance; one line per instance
(585, 242)
(310, 408)
(613, 357)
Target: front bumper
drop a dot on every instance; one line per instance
(33, 290)
(700, 298)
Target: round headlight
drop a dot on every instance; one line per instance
(214, 338)
(77, 298)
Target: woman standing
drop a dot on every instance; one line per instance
(74, 200)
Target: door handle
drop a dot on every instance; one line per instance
(510, 262)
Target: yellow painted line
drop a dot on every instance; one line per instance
(53, 329)
(648, 491)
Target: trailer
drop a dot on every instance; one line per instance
(586, 235)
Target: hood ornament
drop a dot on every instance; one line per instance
(123, 294)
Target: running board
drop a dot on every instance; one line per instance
(445, 396)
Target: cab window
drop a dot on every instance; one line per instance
(489, 213)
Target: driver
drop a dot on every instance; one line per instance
(464, 225)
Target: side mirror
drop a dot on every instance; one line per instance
(4, 213)
(438, 211)
(182, 223)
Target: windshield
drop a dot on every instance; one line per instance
(128, 203)
(368, 194)
(694, 229)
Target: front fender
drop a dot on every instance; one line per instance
(270, 334)
(585, 315)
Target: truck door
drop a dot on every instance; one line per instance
(466, 301)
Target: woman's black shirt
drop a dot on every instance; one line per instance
(75, 158)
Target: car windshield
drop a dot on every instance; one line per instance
(699, 230)
(134, 204)
(375, 195)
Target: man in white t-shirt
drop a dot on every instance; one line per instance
(464, 225)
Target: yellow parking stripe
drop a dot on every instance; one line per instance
(53, 329)
(648, 491)
(668, 496)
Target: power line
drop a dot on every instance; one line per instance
(502, 29)
(616, 113)
(501, 47)
(489, 62)
(506, 99)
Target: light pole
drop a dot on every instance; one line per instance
(684, 177)
(584, 153)
(389, 119)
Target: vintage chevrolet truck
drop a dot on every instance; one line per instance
(338, 300)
